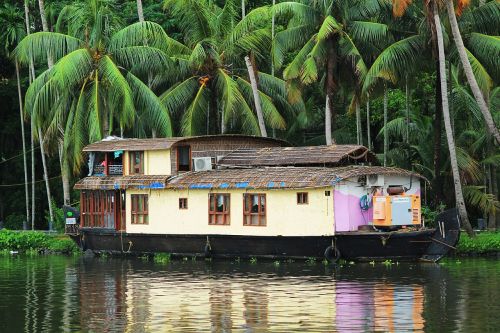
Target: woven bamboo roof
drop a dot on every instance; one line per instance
(333, 155)
(276, 177)
(120, 183)
(115, 143)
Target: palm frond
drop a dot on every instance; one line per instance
(150, 108)
(394, 61)
(178, 97)
(328, 28)
(38, 44)
(193, 120)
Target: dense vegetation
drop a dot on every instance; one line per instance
(34, 242)
(397, 76)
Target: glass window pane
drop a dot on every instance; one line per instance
(263, 220)
(255, 219)
(212, 202)
(262, 203)
(220, 203)
(255, 203)
(220, 219)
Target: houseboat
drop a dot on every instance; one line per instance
(244, 196)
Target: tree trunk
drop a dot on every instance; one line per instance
(26, 191)
(330, 87)
(368, 135)
(407, 120)
(272, 40)
(65, 174)
(491, 215)
(45, 28)
(438, 179)
(32, 174)
(490, 124)
(140, 12)
(386, 138)
(45, 174)
(32, 127)
(243, 12)
(256, 97)
(359, 130)
(447, 125)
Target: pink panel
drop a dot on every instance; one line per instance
(348, 215)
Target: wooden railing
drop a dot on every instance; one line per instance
(113, 170)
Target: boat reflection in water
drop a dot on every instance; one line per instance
(58, 294)
(195, 297)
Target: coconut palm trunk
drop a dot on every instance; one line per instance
(45, 173)
(140, 12)
(447, 125)
(359, 132)
(457, 37)
(368, 139)
(20, 95)
(330, 86)
(386, 138)
(32, 127)
(256, 97)
(45, 28)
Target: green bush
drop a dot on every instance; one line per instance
(59, 221)
(483, 243)
(35, 241)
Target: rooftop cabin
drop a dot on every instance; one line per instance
(135, 158)
(166, 156)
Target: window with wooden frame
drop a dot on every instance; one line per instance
(98, 209)
(183, 203)
(254, 209)
(136, 159)
(218, 209)
(139, 209)
(302, 198)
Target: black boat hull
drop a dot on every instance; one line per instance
(427, 244)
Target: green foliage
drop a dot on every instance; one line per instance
(162, 258)
(35, 242)
(58, 213)
(483, 243)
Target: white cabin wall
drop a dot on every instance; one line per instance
(284, 216)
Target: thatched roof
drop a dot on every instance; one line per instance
(333, 155)
(276, 177)
(254, 178)
(120, 183)
(115, 143)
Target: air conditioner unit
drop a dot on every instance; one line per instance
(202, 163)
(374, 181)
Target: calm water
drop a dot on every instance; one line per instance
(57, 294)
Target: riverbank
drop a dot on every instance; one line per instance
(484, 244)
(34, 242)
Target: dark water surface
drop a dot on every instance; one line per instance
(66, 294)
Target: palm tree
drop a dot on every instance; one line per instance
(95, 79)
(210, 85)
(326, 33)
(12, 34)
(447, 125)
(491, 44)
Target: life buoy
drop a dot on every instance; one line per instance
(332, 254)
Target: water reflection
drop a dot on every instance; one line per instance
(55, 294)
